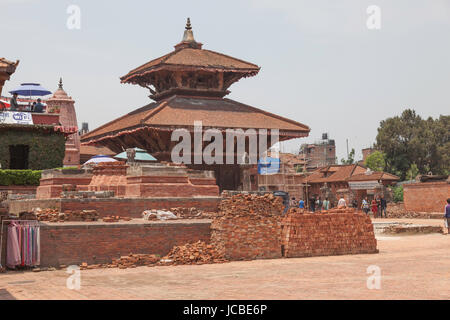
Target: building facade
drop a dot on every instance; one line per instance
(319, 154)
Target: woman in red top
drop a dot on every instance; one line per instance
(374, 207)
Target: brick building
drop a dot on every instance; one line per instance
(188, 85)
(319, 154)
(351, 181)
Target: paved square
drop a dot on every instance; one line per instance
(412, 267)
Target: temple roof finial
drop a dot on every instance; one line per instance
(188, 24)
(188, 35)
(60, 85)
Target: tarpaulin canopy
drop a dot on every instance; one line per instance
(100, 158)
(268, 165)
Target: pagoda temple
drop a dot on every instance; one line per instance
(188, 85)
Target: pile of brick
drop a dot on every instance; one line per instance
(53, 215)
(248, 227)
(306, 234)
(193, 253)
(251, 204)
(397, 210)
(124, 262)
(134, 260)
(115, 218)
(191, 213)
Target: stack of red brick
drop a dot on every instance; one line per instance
(305, 235)
(248, 227)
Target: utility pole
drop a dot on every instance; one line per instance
(347, 149)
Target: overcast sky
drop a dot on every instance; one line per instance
(320, 64)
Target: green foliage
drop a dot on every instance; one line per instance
(350, 159)
(376, 161)
(408, 139)
(397, 193)
(46, 148)
(20, 177)
(412, 172)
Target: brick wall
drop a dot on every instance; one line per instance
(126, 207)
(101, 242)
(426, 196)
(305, 235)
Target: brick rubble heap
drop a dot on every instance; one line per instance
(193, 253)
(53, 215)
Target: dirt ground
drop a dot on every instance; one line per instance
(411, 267)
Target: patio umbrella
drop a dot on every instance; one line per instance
(31, 89)
(141, 155)
(100, 158)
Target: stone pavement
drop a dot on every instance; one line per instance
(412, 267)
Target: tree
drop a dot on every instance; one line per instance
(408, 139)
(350, 158)
(397, 192)
(376, 161)
(412, 172)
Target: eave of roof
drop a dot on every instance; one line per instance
(182, 111)
(195, 59)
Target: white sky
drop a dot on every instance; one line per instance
(320, 65)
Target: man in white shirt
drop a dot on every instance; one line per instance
(342, 203)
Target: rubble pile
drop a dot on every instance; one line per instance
(193, 253)
(53, 215)
(248, 227)
(115, 218)
(312, 234)
(131, 261)
(190, 213)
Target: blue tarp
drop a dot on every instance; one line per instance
(269, 165)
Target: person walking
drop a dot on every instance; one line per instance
(374, 208)
(326, 204)
(293, 203)
(383, 207)
(342, 203)
(365, 205)
(447, 216)
(319, 204)
(312, 204)
(301, 204)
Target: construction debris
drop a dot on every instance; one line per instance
(53, 215)
(115, 218)
(193, 253)
(158, 215)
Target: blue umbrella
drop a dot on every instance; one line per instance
(31, 89)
